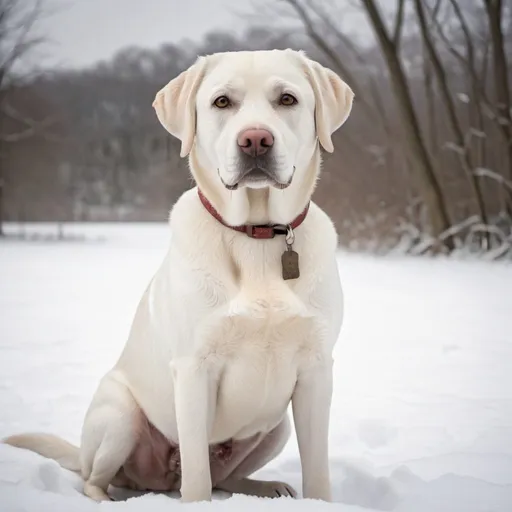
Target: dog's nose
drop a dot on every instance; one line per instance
(255, 142)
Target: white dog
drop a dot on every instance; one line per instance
(243, 314)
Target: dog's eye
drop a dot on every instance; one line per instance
(287, 100)
(222, 102)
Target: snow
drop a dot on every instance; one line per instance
(422, 408)
(463, 97)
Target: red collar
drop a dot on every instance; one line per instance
(261, 232)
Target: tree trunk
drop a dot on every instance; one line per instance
(1, 207)
(494, 10)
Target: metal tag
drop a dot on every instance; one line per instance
(290, 264)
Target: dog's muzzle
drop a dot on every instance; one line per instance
(257, 176)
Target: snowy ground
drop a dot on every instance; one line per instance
(422, 412)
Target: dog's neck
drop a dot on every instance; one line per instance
(257, 206)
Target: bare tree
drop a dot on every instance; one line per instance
(16, 41)
(484, 115)
(430, 188)
(420, 119)
(449, 104)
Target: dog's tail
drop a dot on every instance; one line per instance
(49, 446)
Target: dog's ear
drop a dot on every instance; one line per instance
(333, 100)
(175, 105)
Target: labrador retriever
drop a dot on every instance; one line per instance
(242, 316)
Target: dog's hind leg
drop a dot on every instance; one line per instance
(109, 435)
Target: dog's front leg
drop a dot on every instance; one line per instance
(311, 402)
(193, 417)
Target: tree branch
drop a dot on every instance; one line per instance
(322, 44)
(399, 21)
(32, 126)
(373, 86)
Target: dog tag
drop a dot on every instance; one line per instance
(290, 263)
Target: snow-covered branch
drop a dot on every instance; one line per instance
(488, 173)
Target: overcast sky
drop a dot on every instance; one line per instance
(81, 32)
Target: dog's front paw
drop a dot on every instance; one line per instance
(190, 495)
(318, 493)
(276, 490)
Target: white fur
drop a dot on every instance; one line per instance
(220, 343)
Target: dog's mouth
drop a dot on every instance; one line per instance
(257, 177)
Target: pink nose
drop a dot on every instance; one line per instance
(255, 142)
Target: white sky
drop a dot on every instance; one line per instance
(81, 32)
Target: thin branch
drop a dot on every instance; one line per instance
(493, 175)
(469, 62)
(459, 227)
(399, 21)
(322, 44)
(373, 86)
(347, 41)
(20, 45)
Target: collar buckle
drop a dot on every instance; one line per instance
(266, 232)
(260, 232)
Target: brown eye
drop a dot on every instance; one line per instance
(287, 100)
(222, 102)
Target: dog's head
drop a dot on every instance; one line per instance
(254, 118)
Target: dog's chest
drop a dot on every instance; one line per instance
(259, 347)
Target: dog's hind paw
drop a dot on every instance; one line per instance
(277, 490)
(259, 488)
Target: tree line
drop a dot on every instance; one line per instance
(424, 164)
